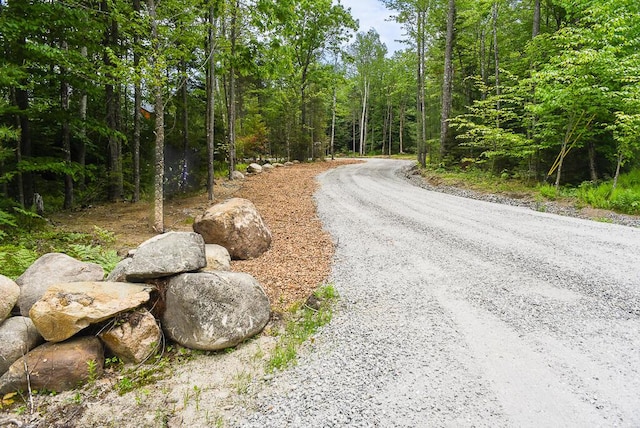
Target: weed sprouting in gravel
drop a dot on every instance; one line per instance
(304, 322)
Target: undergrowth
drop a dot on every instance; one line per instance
(625, 198)
(20, 248)
(303, 324)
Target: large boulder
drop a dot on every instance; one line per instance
(9, 293)
(119, 273)
(52, 268)
(56, 366)
(214, 310)
(254, 168)
(236, 225)
(18, 336)
(237, 175)
(267, 167)
(133, 337)
(218, 258)
(65, 309)
(165, 255)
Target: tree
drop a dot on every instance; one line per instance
(448, 79)
(368, 54)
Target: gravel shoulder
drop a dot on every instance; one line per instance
(461, 312)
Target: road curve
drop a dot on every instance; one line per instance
(457, 312)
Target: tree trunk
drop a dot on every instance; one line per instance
(422, 114)
(563, 152)
(137, 114)
(618, 165)
(115, 163)
(536, 18)
(82, 146)
(23, 148)
(496, 57)
(66, 135)
(184, 173)
(232, 90)
(353, 130)
(401, 128)
(448, 80)
(333, 121)
(593, 171)
(211, 83)
(363, 125)
(158, 212)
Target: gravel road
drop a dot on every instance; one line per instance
(458, 312)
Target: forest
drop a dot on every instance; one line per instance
(111, 100)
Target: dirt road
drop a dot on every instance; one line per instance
(456, 312)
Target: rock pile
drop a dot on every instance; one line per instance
(67, 303)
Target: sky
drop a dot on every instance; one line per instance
(373, 14)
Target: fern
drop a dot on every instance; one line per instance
(89, 253)
(15, 260)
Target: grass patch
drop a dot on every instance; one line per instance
(302, 325)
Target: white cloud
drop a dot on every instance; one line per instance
(373, 14)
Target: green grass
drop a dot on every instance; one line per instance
(304, 323)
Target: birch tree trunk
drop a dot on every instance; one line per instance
(363, 126)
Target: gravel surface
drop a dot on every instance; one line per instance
(459, 312)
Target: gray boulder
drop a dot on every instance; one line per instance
(267, 167)
(9, 293)
(56, 366)
(51, 269)
(237, 175)
(119, 273)
(65, 309)
(254, 168)
(236, 225)
(218, 258)
(165, 255)
(214, 310)
(18, 335)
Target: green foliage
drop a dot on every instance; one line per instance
(14, 260)
(304, 324)
(21, 248)
(108, 259)
(548, 191)
(625, 198)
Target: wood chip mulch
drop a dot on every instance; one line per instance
(301, 252)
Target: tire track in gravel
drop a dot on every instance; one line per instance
(459, 312)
